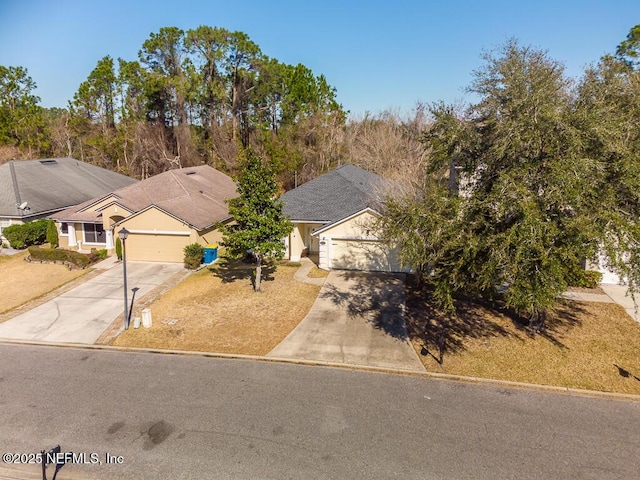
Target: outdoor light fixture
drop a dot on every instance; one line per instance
(123, 234)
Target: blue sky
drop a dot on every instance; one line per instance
(378, 54)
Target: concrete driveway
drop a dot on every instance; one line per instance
(84, 312)
(357, 319)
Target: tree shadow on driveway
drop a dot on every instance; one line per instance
(377, 297)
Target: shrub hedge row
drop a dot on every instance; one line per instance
(80, 260)
(27, 234)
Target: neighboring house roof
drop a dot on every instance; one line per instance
(51, 184)
(335, 195)
(194, 195)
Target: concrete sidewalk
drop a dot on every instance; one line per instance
(81, 314)
(8, 250)
(620, 295)
(357, 319)
(612, 294)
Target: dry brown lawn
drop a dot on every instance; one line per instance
(216, 310)
(316, 272)
(21, 281)
(593, 346)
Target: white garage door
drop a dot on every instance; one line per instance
(371, 255)
(608, 276)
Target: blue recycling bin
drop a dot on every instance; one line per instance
(210, 253)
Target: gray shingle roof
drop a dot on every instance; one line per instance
(52, 184)
(335, 195)
(195, 195)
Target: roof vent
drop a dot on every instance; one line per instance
(190, 173)
(49, 162)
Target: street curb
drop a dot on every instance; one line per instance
(432, 375)
(13, 473)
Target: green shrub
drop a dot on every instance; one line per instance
(80, 260)
(52, 233)
(193, 256)
(118, 248)
(27, 234)
(96, 254)
(592, 278)
(585, 279)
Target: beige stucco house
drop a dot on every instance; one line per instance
(163, 214)
(333, 218)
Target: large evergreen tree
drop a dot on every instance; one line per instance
(22, 120)
(608, 114)
(530, 207)
(259, 226)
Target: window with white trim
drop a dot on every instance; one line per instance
(64, 229)
(94, 233)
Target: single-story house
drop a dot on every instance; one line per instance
(163, 214)
(33, 189)
(333, 217)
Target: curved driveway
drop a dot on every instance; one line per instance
(84, 312)
(357, 319)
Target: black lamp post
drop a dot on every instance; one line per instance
(123, 234)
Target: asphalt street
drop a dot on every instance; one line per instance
(184, 417)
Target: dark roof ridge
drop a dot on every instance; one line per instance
(14, 180)
(179, 182)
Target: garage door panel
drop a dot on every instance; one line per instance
(156, 248)
(364, 255)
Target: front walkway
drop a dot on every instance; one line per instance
(612, 294)
(81, 314)
(620, 295)
(357, 319)
(8, 250)
(301, 274)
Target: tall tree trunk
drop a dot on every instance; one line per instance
(258, 272)
(234, 109)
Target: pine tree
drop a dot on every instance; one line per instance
(259, 226)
